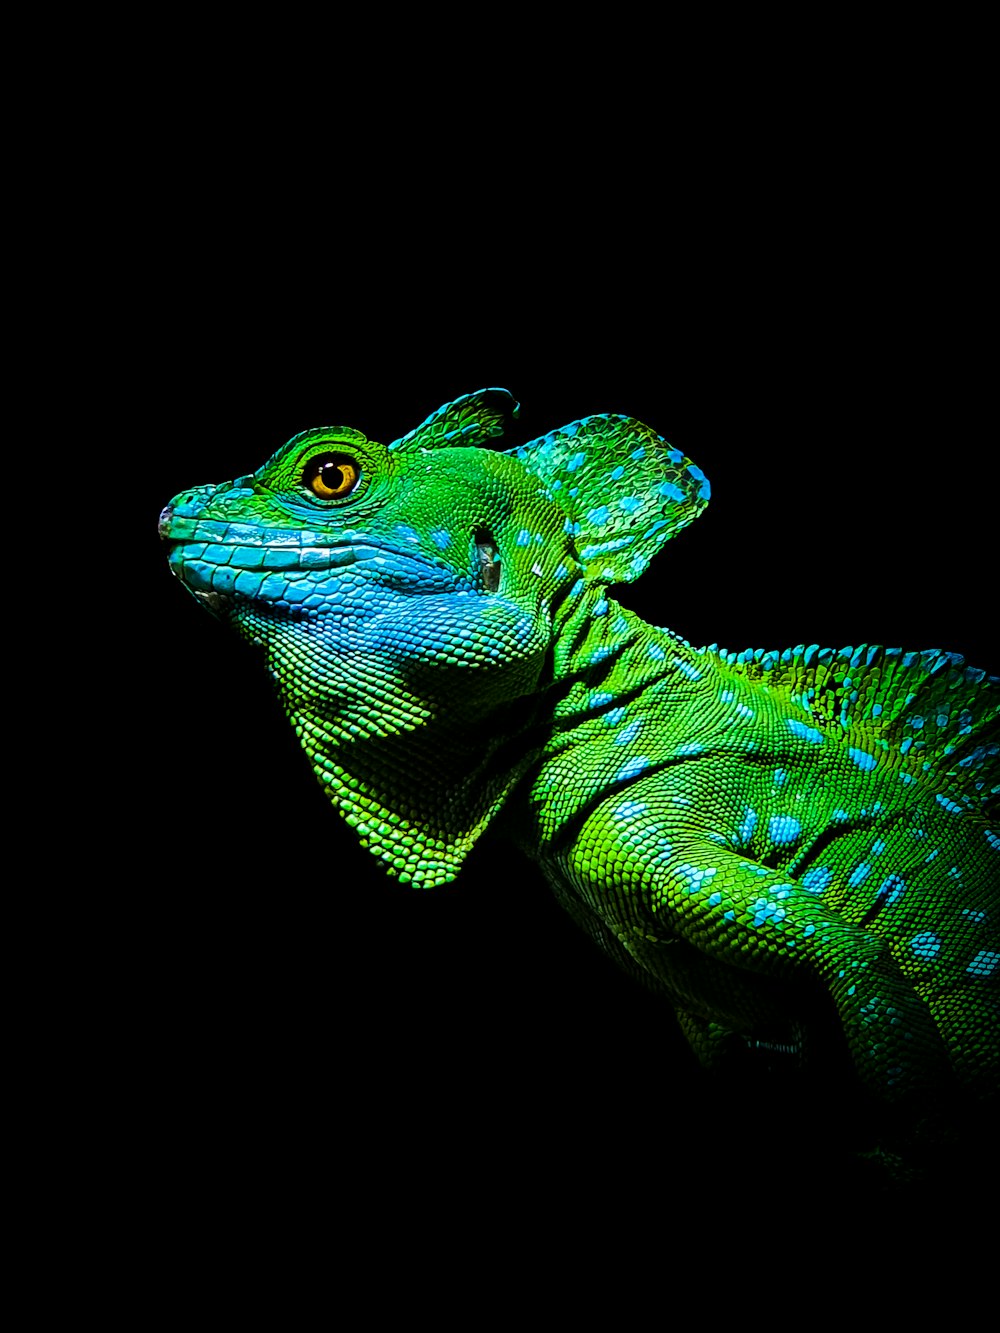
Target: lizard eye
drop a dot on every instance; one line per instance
(332, 476)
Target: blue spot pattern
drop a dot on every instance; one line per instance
(863, 759)
(926, 944)
(984, 964)
(807, 733)
(817, 879)
(745, 831)
(784, 829)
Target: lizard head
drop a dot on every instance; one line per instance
(407, 597)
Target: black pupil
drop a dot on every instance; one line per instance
(332, 476)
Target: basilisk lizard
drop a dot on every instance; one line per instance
(748, 832)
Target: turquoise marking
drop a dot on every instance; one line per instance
(601, 697)
(745, 831)
(577, 461)
(655, 652)
(784, 829)
(617, 473)
(817, 879)
(948, 804)
(696, 877)
(859, 874)
(780, 777)
(629, 811)
(767, 911)
(628, 733)
(441, 539)
(685, 668)
(807, 733)
(637, 455)
(523, 538)
(671, 492)
(984, 964)
(629, 503)
(598, 516)
(993, 840)
(675, 456)
(891, 888)
(613, 716)
(604, 548)
(863, 759)
(704, 490)
(633, 768)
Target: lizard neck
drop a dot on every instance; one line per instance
(628, 699)
(605, 658)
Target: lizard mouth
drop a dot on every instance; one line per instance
(210, 556)
(263, 571)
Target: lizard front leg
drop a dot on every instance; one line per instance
(730, 939)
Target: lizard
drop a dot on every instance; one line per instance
(761, 837)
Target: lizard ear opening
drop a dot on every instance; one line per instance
(624, 490)
(487, 558)
(475, 419)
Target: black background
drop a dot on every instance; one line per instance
(290, 1008)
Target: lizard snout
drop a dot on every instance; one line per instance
(163, 525)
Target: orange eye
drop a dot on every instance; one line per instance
(332, 476)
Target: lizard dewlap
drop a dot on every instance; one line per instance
(742, 829)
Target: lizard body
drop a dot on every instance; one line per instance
(749, 833)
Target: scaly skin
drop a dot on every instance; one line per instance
(748, 832)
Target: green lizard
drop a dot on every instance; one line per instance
(759, 836)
